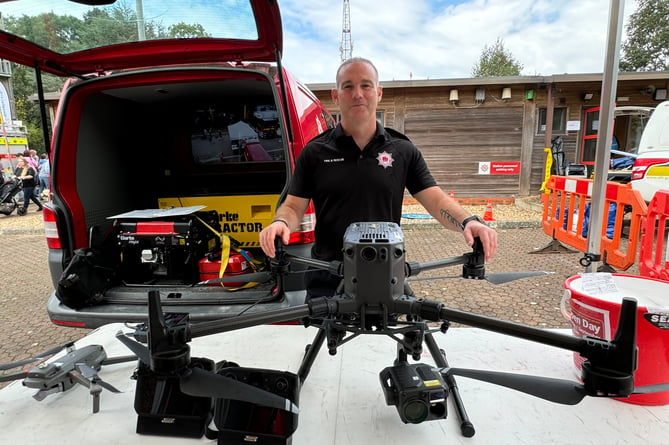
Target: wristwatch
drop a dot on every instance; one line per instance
(470, 219)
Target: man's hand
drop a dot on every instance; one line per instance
(487, 235)
(268, 235)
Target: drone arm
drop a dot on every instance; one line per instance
(435, 311)
(414, 268)
(473, 263)
(608, 370)
(93, 388)
(334, 267)
(249, 320)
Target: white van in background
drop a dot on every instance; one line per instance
(650, 172)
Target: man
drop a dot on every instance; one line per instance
(358, 172)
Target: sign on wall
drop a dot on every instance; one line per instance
(499, 168)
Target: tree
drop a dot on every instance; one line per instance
(496, 61)
(65, 34)
(646, 47)
(183, 31)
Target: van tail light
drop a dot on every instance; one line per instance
(641, 166)
(306, 233)
(51, 228)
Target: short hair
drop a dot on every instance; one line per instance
(356, 60)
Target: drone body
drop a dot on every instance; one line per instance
(56, 376)
(77, 366)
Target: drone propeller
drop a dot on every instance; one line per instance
(141, 351)
(201, 383)
(90, 373)
(565, 392)
(167, 346)
(494, 278)
(40, 356)
(560, 391)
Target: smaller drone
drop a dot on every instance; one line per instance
(78, 366)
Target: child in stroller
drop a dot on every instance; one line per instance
(8, 190)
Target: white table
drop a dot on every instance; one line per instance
(341, 401)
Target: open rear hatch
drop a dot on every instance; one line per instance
(159, 116)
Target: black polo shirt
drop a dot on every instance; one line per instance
(348, 185)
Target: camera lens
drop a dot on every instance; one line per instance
(415, 411)
(368, 253)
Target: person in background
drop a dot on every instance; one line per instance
(32, 162)
(357, 172)
(27, 174)
(43, 175)
(29, 160)
(34, 157)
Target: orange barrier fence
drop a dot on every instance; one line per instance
(566, 217)
(654, 252)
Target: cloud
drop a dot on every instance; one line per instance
(444, 39)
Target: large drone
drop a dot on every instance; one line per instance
(373, 298)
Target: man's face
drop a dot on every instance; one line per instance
(357, 92)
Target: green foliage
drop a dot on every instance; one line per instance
(646, 47)
(183, 30)
(65, 34)
(496, 61)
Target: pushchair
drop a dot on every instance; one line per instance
(8, 191)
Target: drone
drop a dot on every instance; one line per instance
(373, 298)
(77, 366)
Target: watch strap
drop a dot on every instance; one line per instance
(470, 219)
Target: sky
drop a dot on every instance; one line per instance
(442, 39)
(416, 39)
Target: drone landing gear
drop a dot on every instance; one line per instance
(411, 411)
(439, 356)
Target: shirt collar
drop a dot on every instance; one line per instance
(380, 132)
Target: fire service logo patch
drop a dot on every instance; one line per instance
(385, 159)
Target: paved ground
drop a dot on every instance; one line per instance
(25, 286)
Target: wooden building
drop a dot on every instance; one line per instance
(486, 137)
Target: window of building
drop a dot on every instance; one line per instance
(559, 120)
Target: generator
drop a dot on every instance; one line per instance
(159, 247)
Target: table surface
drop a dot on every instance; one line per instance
(341, 401)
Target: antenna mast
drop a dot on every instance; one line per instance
(346, 46)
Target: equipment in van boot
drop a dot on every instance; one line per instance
(167, 248)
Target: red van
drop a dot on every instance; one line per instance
(156, 163)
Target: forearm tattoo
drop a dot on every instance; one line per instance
(445, 214)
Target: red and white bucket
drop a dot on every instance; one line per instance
(592, 303)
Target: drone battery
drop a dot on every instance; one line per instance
(241, 423)
(166, 250)
(238, 264)
(164, 410)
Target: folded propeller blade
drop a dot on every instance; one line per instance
(560, 391)
(201, 383)
(14, 376)
(92, 374)
(41, 356)
(141, 351)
